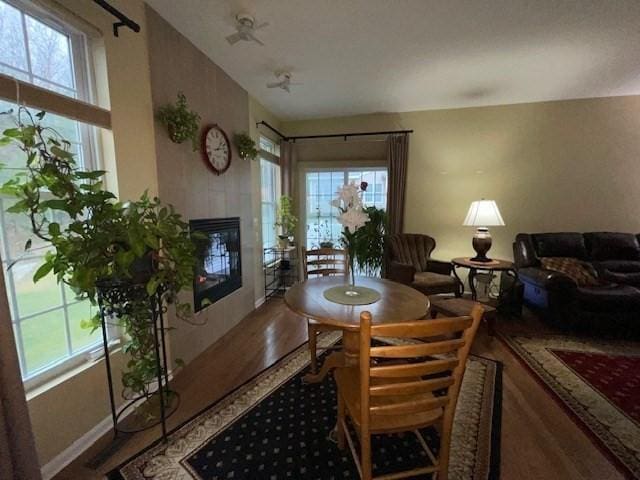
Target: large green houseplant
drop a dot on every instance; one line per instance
(99, 239)
(370, 242)
(286, 220)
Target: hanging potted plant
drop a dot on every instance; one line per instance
(286, 221)
(182, 124)
(101, 242)
(246, 146)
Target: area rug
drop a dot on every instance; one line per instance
(277, 427)
(597, 383)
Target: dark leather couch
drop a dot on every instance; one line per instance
(614, 258)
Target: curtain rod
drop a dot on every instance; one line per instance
(124, 21)
(333, 135)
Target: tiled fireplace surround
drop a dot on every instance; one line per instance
(185, 181)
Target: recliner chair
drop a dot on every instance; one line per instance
(410, 263)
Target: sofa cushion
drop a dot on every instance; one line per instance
(617, 266)
(612, 246)
(560, 245)
(631, 278)
(609, 298)
(572, 268)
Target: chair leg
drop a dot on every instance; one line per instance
(443, 454)
(313, 340)
(365, 456)
(340, 433)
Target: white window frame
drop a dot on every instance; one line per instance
(331, 166)
(84, 89)
(269, 156)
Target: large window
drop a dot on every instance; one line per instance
(270, 190)
(46, 316)
(42, 52)
(321, 186)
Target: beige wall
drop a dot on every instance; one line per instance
(568, 165)
(257, 113)
(185, 181)
(62, 413)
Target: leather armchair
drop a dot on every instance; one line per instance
(410, 263)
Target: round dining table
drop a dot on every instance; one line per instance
(397, 303)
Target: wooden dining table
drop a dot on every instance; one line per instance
(397, 303)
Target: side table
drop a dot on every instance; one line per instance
(496, 265)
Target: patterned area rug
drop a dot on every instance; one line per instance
(597, 383)
(277, 427)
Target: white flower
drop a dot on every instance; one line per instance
(349, 195)
(353, 219)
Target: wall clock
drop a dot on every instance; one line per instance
(216, 149)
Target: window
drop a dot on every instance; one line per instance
(321, 185)
(42, 52)
(270, 190)
(46, 316)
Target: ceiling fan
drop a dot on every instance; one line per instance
(284, 82)
(245, 26)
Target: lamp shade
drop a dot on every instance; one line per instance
(483, 213)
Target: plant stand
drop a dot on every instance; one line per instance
(280, 267)
(119, 298)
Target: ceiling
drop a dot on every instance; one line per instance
(366, 56)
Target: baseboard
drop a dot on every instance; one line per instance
(76, 449)
(79, 446)
(259, 302)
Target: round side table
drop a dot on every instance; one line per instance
(495, 265)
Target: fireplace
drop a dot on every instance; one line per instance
(218, 269)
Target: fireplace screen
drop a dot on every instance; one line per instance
(218, 270)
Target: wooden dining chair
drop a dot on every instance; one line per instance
(322, 262)
(417, 388)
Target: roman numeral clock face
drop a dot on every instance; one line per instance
(216, 149)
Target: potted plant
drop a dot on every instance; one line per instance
(370, 242)
(286, 221)
(182, 124)
(245, 145)
(101, 241)
(322, 229)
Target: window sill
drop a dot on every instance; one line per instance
(91, 361)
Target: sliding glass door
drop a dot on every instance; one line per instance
(320, 218)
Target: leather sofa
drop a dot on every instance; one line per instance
(613, 258)
(410, 262)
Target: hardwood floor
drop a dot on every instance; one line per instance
(539, 441)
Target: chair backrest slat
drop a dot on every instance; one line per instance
(325, 262)
(404, 408)
(421, 329)
(414, 369)
(418, 349)
(411, 388)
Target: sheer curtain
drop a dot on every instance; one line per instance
(397, 158)
(18, 457)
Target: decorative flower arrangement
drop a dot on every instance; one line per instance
(183, 124)
(246, 146)
(352, 217)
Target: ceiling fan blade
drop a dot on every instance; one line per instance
(234, 38)
(274, 84)
(296, 83)
(286, 88)
(252, 37)
(262, 25)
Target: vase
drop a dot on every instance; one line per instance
(351, 288)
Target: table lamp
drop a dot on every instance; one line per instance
(482, 214)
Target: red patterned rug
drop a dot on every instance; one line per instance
(598, 384)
